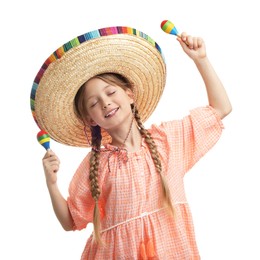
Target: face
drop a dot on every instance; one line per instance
(108, 105)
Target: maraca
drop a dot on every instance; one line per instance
(44, 139)
(168, 27)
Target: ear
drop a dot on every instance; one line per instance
(130, 94)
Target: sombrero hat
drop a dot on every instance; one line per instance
(121, 50)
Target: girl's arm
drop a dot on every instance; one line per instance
(51, 166)
(195, 48)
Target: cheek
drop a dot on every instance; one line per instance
(127, 106)
(93, 113)
(125, 99)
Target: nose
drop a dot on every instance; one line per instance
(105, 105)
(105, 101)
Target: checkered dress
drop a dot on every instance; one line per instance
(130, 200)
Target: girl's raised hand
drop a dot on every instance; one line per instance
(194, 47)
(51, 164)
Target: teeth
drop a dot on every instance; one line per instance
(110, 113)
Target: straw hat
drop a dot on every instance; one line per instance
(121, 50)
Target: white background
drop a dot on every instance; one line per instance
(223, 188)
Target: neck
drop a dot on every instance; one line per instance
(127, 137)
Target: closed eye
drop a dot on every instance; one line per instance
(92, 105)
(111, 93)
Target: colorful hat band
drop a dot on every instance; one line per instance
(76, 42)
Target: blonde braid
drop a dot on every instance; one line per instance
(93, 177)
(156, 159)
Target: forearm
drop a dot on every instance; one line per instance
(60, 207)
(217, 96)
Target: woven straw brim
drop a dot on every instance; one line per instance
(129, 55)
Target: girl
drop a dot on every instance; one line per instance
(130, 185)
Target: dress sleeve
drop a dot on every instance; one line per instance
(80, 201)
(187, 140)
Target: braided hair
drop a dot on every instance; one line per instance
(156, 159)
(81, 111)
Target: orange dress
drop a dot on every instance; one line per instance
(131, 193)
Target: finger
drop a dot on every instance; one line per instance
(52, 160)
(183, 36)
(195, 43)
(182, 39)
(189, 41)
(200, 42)
(52, 166)
(48, 154)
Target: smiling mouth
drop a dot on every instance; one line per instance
(111, 113)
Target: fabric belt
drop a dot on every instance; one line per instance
(144, 214)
